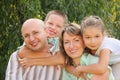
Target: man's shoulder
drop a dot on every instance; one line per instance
(15, 53)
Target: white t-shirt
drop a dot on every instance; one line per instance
(114, 46)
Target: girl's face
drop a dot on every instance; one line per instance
(93, 38)
(73, 45)
(54, 25)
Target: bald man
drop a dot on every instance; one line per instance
(36, 40)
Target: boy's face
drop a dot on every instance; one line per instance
(54, 25)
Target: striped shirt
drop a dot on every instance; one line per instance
(16, 72)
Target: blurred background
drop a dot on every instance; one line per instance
(14, 12)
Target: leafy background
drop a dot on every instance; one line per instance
(14, 12)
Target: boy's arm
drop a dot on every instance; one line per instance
(56, 59)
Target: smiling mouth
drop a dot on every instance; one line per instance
(34, 44)
(52, 33)
(93, 46)
(73, 51)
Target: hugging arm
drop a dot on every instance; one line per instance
(57, 59)
(97, 68)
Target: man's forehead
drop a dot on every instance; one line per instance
(33, 23)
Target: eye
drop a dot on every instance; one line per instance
(35, 32)
(26, 36)
(87, 37)
(66, 42)
(97, 36)
(50, 23)
(59, 26)
(77, 40)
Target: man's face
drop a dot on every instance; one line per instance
(34, 36)
(54, 25)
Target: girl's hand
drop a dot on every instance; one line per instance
(77, 70)
(71, 69)
(83, 75)
(78, 73)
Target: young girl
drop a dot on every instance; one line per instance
(99, 44)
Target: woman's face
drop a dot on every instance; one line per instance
(73, 45)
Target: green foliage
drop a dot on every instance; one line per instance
(15, 12)
(9, 33)
(115, 19)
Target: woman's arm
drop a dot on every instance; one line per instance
(99, 67)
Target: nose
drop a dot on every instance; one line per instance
(31, 38)
(71, 45)
(53, 26)
(93, 40)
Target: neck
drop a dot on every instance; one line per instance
(43, 51)
(76, 61)
(93, 52)
(45, 48)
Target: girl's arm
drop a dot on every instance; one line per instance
(98, 68)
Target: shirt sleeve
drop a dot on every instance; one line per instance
(12, 68)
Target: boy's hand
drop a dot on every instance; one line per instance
(25, 62)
